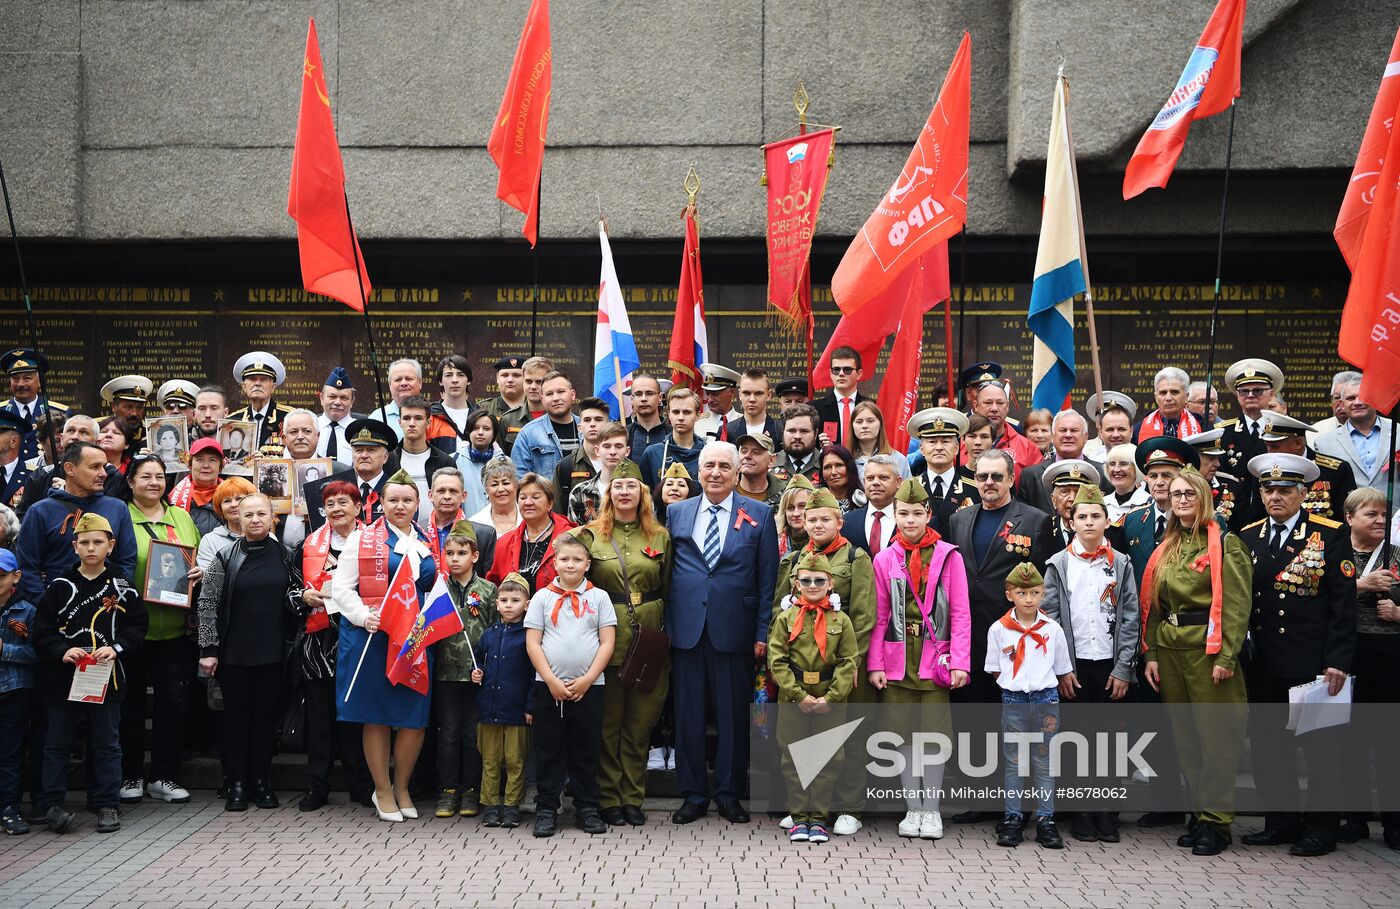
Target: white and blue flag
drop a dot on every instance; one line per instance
(614, 349)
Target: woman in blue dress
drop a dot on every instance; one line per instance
(364, 694)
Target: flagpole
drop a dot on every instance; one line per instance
(535, 297)
(1219, 257)
(29, 312)
(364, 309)
(948, 347)
(1083, 253)
(962, 308)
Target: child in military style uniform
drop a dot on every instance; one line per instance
(454, 694)
(812, 656)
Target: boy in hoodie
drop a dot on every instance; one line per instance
(45, 545)
(89, 616)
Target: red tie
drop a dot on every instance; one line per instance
(877, 536)
(845, 420)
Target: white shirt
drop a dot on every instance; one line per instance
(1040, 669)
(1291, 524)
(703, 518)
(1139, 498)
(887, 526)
(389, 413)
(709, 426)
(950, 476)
(342, 448)
(1089, 611)
(417, 467)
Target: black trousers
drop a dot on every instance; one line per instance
(328, 739)
(252, 698)
(1376, 682)
(168, 667)
(1273, 752)
(458, 761)
(566, 740)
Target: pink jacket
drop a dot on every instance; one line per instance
(947, 567)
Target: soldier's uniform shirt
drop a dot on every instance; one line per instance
(269, 427)
(1227, 493)
(511, 419)
(770, 495)
(29, 413)
(784, 468)
(957, 491)
(1241, 441)
(798, 667)
(852, 579)
(1304, 615)
(1326, 496)
(1182, 588)
(476, 604)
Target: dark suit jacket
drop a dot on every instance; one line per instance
(1298, 633)
(315, 513)
(1031, 488)
(829, 412)
(437, 460)
(14, 489)
(737, 428)
(962, 494)
(734, 600)
(853, 528)
(986, 583)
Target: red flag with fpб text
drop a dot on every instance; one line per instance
(899, 391)
(1361, 189)
(926, 204)
(330, 251)
(517, 138)
(1207, 86)
(1370, 333)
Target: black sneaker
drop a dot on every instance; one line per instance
(12, 822)
(1009, 831)
(1047, 834)
(491, 816)
(108, 821)
(510, 816)
(546, 822)
(471, 804)
(590, 821)
(58, 819)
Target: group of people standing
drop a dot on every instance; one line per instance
(608, 574)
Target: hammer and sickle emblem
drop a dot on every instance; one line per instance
(309, 70)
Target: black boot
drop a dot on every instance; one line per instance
(1209, 841)
(546, 822)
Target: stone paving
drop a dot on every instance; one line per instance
(195, 855)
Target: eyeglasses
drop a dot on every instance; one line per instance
(989, 477)
(812, 582)
(1252, 392)
(842, 370)
(1183, 495)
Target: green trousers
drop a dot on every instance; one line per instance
(629, 716)
(502, 745)
(1208, 741)
(812, 803)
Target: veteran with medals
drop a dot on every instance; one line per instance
(940, 431)
(631, 562)
(260, 374)
(1303, 626)
(24, 365)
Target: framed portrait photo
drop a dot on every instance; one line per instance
(307, 472)
(273, 478)
(168, 437)
(238, 438)
(167, 579)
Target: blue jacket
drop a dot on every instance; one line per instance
(45, 546)
(506, 675)
(536, 448)
(17, 656)
(734, 600)
(663, 454)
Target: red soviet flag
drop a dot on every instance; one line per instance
(1207, 86)
(1356, 206)
(927, 203)
(1370, 334)
(689, 341)
(316, 198)
(881, 316)
(899, 392)
(517, 139)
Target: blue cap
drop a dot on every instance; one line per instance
(7, 561)
(339, 378)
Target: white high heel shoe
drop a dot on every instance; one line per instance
(395, 816)
(408, 811)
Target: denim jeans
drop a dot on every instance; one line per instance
(104, 750)
(1029, 711)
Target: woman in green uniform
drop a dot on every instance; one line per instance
(631, 560)
(1196, 595)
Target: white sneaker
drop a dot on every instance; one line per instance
(846, 825)
(131, 791)
(656, 759)
(670, 759)
(786, 822)
(911, 824)
(167, 791)
(932, 826)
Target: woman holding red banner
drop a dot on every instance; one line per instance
(360, 592)
(1196, 597)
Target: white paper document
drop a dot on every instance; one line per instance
(1310, 707)
(90, 683)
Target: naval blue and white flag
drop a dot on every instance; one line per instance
(614, 349)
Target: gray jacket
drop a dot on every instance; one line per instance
(1127, 612)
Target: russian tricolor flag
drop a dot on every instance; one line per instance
(438, 619)
(614, 349)
(1060, 266)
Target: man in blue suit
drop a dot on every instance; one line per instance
(717, 613)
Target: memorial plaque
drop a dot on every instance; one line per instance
(93, 333)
